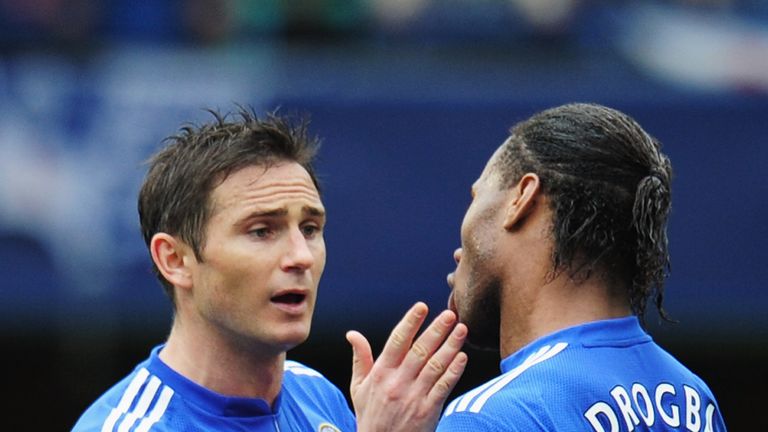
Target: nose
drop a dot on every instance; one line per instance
(299, 256)
(457, 255)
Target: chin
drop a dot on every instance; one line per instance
(294, 337)
(483, 345)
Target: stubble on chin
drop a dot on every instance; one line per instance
(483, 315)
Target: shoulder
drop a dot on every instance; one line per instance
(298, 369)
(297, 374)
(315, 395)
(518, 397)
(140, 390)
(301, 379)
(504, 411)
(474, 422)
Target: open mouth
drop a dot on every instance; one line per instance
(290, 298)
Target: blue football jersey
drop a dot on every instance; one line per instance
(155, 398)
(601, 376)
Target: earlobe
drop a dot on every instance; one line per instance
(524, 199)
(170, 257)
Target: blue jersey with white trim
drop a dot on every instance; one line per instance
(604, 376)
(154, 398)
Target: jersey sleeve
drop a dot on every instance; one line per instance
(315, 389)
(474, 422)
(499, 412)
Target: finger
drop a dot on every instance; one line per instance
(438, 364)
(445, 385)
(362, 358)
(430, 340)
(402, 335)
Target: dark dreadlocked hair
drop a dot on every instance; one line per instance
(609, 187)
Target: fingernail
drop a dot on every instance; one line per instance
(447, 318)
(460, 331)
(420, 309)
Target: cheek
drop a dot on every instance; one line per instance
(237, 275)
(320, 258)
(465, 277)
(466, 224)
(476, 224)
(478, 260)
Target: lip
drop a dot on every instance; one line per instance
(451, 302)
(286, 300)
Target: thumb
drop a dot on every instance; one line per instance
(362, 358)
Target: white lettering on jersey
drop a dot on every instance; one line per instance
(648, 415)
(621, 397)
(640, 405)
(673, 419)
(606, 410)
(692, 407)
(710, 416)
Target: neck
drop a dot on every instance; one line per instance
(535, 310)
(222, 365)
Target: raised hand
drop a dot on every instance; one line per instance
(405, 389)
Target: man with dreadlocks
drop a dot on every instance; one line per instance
(561, 249)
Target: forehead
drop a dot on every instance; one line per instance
(491, 170)
(272, 186)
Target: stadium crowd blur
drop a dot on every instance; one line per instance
(88, 88)
(79, 24)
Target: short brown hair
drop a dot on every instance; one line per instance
(175, 195)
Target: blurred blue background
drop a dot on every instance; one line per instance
(410, 97)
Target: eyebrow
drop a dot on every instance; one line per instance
(310, 210)
(313, 211)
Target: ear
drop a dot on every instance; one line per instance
(172, 257)
(525, 195)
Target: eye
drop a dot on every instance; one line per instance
(310, 230)
(261, 232)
